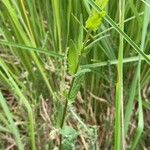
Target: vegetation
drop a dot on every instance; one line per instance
(74, 74)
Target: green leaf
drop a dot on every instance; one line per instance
(75, 88)
(31, 49)
(78, 79)
(81, 72)
(72, 58)
(95, 20)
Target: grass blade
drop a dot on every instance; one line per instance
(13, 127)
(23, 99)
(31, 49)
(140, 127)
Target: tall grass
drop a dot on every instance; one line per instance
(66, 85)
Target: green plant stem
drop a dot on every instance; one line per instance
(119, 117)
(64, 115)
(72, 82)
(65, 109)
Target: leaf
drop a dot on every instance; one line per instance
(81, 72)
(72, 58)
(78, 79)
(95, 20)
(31, 49)
(75, 88)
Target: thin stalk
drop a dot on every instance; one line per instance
(119, 121)
(72, 82)
(111, 62)
(65, 109)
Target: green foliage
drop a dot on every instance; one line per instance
(75, 88)
(77, 81)
(96, 18)
(72, 58)
(69, 137)
(38, 91)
